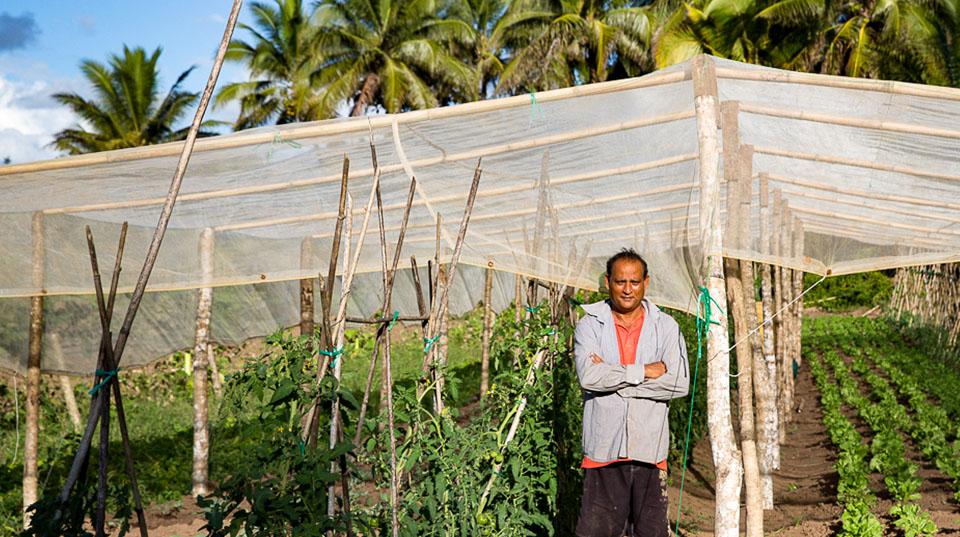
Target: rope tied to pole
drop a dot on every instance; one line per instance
(533, 309)
(703, 326)
(393, 321)
(334, 354)
(105, 376)
(428, 342)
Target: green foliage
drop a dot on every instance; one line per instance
(844, 293)
(279, 485)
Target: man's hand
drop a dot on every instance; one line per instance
(654, 370)
(595, 358)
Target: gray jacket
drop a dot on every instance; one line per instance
(624, 414)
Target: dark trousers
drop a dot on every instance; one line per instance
(624, 498)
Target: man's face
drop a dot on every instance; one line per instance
(627, 283)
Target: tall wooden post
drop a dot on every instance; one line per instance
(487, 329)
(737, 216)
(201, 433)
(35, 347)
(798, 245)
(726, 456)
(770, 434)
(777, 326)
(56, 350)
(306, 289)
(786, 327)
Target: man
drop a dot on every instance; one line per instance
(631, 360)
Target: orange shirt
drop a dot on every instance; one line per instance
(627, 339)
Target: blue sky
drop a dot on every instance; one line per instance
(42, 44)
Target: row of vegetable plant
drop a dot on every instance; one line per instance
(886, 418)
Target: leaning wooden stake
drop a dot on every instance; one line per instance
(201, 431)
(726, 457)
(487, 329)
(35, 346)
(389, 276)
(153, 250)
(439, 299)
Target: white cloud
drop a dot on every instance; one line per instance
(29, 116)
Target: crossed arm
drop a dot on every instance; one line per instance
(663, 380)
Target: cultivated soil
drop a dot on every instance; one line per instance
(804, 487)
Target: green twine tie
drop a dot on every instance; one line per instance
(105, 377)
(396, 315)
(535, 110)
(335, 354)
(706, 303)
(428, 342)
(533, 310)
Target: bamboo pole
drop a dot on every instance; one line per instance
(487, 329)
(861, 123)
(106, 361)
(857, 163)
(726, 457)
(181, 170)
(389, 277)
(846, 190)
(438, 301)
(351, 126)
(841, 82)
(34, 355)
(201, 429)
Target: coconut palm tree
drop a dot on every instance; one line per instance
(776, 34)
(391, 53)
(584, 41)
(491, 31)
(892, 39)
(283, 62)
(126, 110)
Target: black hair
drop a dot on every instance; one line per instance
(628, 254)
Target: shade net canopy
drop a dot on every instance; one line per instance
(824, 174)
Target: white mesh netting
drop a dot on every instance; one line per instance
(855, 175)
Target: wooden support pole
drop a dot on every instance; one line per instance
(770, 448)
(726, 456)
(201, 430)
(776, 243)
(66, 385)
(35, 347)
(487, 330)
(306, 289)
(738, 207)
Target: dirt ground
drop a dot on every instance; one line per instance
(804, 487)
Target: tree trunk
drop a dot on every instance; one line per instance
(726, 457)
(371, 85)
(35, 347)
(487, 329)
(201, 433)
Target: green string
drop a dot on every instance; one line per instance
(335, 354)
(533, 310)
(703, 326)
(396, 315)
(535, 110)
(277, 140)
(428, 342)
(105, 376)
